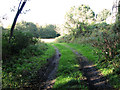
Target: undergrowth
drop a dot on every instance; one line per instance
(21, 71)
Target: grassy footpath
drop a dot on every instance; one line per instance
(68, 75)
(86, 50)
(23, 71)
(89, 52)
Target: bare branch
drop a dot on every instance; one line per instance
(19, 5)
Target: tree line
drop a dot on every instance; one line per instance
(47, 31)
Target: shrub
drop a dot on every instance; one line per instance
(108, 42)
(19, 41)
(34, 50)
(23, 69)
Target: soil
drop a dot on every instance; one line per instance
(47, 75)
(94, 78)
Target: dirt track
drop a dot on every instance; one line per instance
(48, 79)
(95, 80)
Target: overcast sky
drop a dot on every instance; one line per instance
(48, 11)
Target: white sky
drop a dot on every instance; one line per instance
(48, 11)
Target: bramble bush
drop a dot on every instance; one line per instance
(109, 43)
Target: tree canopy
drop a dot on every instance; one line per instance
(103, 15)
(82, 13)
(77, 17)
(27, 27)
(48, 31)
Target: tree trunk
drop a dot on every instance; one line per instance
(15, 19)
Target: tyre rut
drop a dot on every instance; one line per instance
(95, 80)
(50, 73)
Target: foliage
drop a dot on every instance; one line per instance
(19, 41)
(104, 43)
(103, 15)
(107, 69)
(23, 56)
(61, 30)
(20, 7)
(28, 27)
(34, 50)
(48, 31)
(78, 18)
(82, 13)
(22, 70)
(64, 39)
(89, 36)
(109, 42)
(103, 39)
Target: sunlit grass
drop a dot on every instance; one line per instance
(68, 75)
(106, 71)
(88, 51)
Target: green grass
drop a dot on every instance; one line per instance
(88, 51)
(22, 71)
(68, 75)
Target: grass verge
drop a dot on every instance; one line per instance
(68, 75)
(88, 51)
(22, 71)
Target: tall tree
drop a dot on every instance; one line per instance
(48, 31)
(103, 15)
(20, 8)
(77, 17)
(27, 27)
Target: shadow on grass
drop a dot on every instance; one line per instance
(114, 80)
(73, 84)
